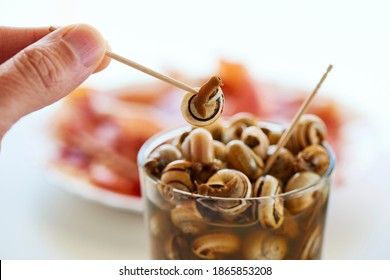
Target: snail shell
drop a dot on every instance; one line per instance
(219, 150)
(256, 139)
(312, 244)
(198, 146)
(270, 210)
(226, 183)
(201, 172)
(272, 134)
(160, 225)
(274, 247)
(236, 126)
(290, 227)
(160, 158)
(213, 108)
(310, 130)
(283, 167)
(305, 199)
(177, 247)
(186, 217)
(241, 157)
(313, 158)
(178, 141)
(216, 129)
(315, 211)
(259, 245)
(274, 137)
(176, 175)
(213, 246)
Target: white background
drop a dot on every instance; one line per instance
(289, 42)
(190, 269)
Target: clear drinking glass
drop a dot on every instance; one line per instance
(189, 226)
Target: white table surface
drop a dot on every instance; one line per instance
(290, 42)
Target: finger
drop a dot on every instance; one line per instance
(48, 70)
(105, 62)
(14, 39)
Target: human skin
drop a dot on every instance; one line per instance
(39, 67)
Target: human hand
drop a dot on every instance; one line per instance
(38, 68)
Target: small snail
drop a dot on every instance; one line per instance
(283, 167)
(256, 139)
(213, 246)
(259, 245)
(160, 158)
(198, 146)
(186, 217)
(240, 157)
(312, 158)
(206, 106)
(226, 183)
(178, 141)
(312, 244)
(176, 175)
(216, 129)
(160, 225)
(272, 133)
(310, 130)
(236, 126)
(176, 247)
(290, 227)
(307, 197)
(219, 151)
(270, 209)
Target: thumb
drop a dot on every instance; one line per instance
(48, 70)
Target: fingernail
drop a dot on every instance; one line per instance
(86, 43)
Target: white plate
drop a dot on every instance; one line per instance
(81, 187)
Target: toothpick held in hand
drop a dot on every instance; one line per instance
(151, 72)
(146, 70)
(287, 133)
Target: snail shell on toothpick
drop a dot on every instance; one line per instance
(310, 130)
(206, 106)
(270, 210)
(312, 158)
(198, 146)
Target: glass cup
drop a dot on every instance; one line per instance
(182, 225)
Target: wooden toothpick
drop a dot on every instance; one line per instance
(151, 72)
(146, 70)
(287, 133)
